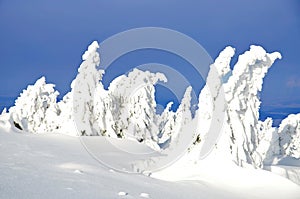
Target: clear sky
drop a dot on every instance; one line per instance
(48, 37)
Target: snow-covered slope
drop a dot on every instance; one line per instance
(57, 166)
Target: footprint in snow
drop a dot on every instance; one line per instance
(122, 193)
(145, 195)
(78, 171)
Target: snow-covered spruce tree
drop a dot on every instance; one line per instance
(133, 105)
(209, 95)
(242, 85)
(102, 112)
(268, 141)
(289, 133)
(183, 113)
(83, 89)
(35, 110)
(242, 96)
(166, 126)
(177, 124)
(66, 118)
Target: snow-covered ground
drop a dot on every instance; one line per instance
(58, 166)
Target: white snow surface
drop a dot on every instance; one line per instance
(57, 166)
(39, 159)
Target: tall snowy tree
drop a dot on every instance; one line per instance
(242, 86)
(289, 133)
(176, 127)
(242, 95)
(268, 146)
(83, 90)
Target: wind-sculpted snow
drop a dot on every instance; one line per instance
(127, 109)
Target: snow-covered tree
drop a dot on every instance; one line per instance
(102, 112)
(242, 96)
(83, 90)
(35, 110)
(166, 126)
(173, 126)
(183, 117)
(289, 133)
(66, 116)
(268, 146)
(133, 105)
(211, 95)
(242, 86)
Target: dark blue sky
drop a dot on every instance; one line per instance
(48, 37)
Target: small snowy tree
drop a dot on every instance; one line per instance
(289, 133)
(66, 116)
(35, 109)
(166, 126)
(268, 141)
(134, 107)
(183, 115)
(175, 125)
